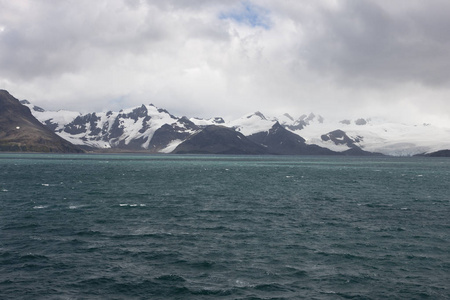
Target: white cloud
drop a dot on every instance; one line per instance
(207, 58)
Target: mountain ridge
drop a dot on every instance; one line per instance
(21, 131)
(155, 130)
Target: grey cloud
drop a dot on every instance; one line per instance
(56, 38)
(181, 55)
(363, 43)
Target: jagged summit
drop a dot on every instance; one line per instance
(153, 129)
(215, 139)
(288, 116)
(279, 140)
(258, 114)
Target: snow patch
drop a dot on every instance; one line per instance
(171, 146)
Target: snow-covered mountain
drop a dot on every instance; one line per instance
(376, 135)
(140, 128)
(155, 130)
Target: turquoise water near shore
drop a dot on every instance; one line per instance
(228, 227)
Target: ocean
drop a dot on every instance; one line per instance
(131, 226)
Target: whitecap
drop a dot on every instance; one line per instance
(45, 184)
(40, 206)
(142, 205)
(123, 204)
(4, 190)
(330, 292)
(133, 205)
(241, 283)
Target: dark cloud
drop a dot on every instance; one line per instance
(210, 57)
(363, 43)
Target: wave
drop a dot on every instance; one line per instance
(40, 206)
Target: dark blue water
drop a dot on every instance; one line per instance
(226, 227)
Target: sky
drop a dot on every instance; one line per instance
(206, 58)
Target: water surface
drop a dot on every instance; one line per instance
(226, 227)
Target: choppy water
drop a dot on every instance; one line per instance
(225, 227)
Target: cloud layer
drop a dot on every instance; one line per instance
(209, 57)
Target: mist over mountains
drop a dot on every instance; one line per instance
(155, 130)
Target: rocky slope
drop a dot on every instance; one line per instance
(215, 139)
(20, 131)
(279, 140)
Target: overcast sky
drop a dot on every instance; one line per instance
(350, 58)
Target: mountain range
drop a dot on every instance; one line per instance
(150, 129)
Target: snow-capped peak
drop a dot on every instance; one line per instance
(150, 128)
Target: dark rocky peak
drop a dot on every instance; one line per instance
(87, 118)
(81, 123)
(277, 126)
(302, 117)
(164, 135)
(258, 114)
(163, 111)
(360, 122)
(219, 120)
(185, 120)
(21, 131)
(339, 137)
(289, 117)
(303, 121)
(214, 139)
(109, 113)
(116, 128)
(345, 122)
(135, 114)
(215, 120)
(10, 104)
(52, 126)
(38, 109)
(336, 133)
(299, 124)
(310, 117)
(187, 123)
(279, 140)
(138, 112)
(35, 108)
(278, 129)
